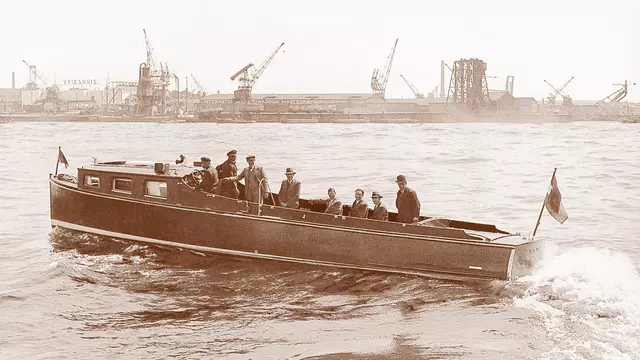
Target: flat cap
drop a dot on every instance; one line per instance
(250, 157)
(205, 159)
(232, 152)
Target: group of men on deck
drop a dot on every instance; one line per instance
(222, 180)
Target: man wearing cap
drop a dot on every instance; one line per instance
(256, 187)
(226, 170)
(289, 194)
(379, 210)
(209, 177)
(407, 202)
(359, 208)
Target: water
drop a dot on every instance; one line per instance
(66, 294)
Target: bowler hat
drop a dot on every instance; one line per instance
(250, 157)
(376, 194)
(289, 171)
(232, 152)
(401, 178)
(205, 159)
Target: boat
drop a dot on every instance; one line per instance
(156, 203)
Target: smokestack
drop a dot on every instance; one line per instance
(441, 79)
(13, 80)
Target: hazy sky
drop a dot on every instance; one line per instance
(330, 46)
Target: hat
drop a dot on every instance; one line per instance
(250, 157)
(289, 171)
(401, 178)
(375, 193)
(205, 159)
(232, 152)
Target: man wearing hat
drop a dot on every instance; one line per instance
(407, 202)
(226, 170)
(256, 187)
(289, 194)
(209, 177)
(379, 210)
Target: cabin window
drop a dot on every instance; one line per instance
(92, 180)
(155, 188)
(122, 185)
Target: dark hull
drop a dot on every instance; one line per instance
(267, 237)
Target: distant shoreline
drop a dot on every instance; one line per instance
(306, 118)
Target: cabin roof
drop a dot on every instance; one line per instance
(139, 168)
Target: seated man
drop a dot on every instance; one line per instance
(333, 205)
(379, 209)
(359, 208)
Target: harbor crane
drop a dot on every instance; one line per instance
(605, 105)
(247, 80)
(201, 89)
(414, 90)
(378, 81)
(51, 97)
(566, 99)
(152, 83)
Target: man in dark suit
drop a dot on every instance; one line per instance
(226, 170)
(359, 208)
(209, 177)
(407, 202)
(289, 195)
(379, 210)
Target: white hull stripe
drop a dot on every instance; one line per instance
(255, 254)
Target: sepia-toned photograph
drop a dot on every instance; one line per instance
(335, 180)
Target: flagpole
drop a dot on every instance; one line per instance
(542, 208)
(58, 160)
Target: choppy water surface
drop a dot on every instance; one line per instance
(66, 294)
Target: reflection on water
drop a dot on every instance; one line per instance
(83, 296)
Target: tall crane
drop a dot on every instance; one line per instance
(566, 99)
(605, 105)
(50, 98)
(152, 82)
(201, 90)
(379, 82)
(247, 80)
(414, 90)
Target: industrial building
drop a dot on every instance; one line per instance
(10, 101)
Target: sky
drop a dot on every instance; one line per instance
(330, 46)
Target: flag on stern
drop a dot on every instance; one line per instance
(553, 202)
(62, 158)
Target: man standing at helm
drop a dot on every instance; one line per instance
(226, 170)
(407, 202)
(209, 177)
(256, 187)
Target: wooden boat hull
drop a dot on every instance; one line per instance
(279, 238)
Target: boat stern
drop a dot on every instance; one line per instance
(526, 257)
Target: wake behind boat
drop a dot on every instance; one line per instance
(156, 203)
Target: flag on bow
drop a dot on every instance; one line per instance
(553, 201)
(62, 158)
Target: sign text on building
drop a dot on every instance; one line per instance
(80, 82)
